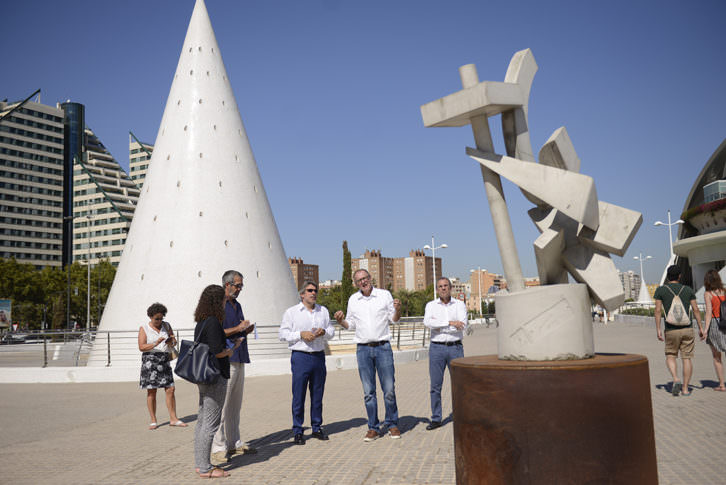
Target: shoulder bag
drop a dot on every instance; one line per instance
(196, 363)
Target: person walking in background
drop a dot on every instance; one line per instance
(227, 441)
(208, 330)
(716, 337)
(679, 336)
(156, 339)
(446, 317)
(305, 327)
(370, 311)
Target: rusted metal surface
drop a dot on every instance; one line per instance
(565, 422)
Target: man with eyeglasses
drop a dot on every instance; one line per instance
(446, 317)
(305, 327)
(370, 311)
(227, 441)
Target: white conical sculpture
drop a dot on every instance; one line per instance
(202, 210)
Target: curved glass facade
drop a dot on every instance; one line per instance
(74, 123)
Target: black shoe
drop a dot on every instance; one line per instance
(299, 439)
(433, 425)
(319, 435)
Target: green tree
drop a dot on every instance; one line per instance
(347, 278)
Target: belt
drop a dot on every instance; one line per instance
(310, 353)
(375, 344)
(448, 344)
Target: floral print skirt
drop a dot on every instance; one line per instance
(155, 371)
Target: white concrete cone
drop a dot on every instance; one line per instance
(203, 210)
(643, 295)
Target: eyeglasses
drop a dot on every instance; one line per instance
(311, 290)
(361, 280)
(238, 285)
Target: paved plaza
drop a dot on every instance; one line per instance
(96, 433)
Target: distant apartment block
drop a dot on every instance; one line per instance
(379, 267)
(631, 284)
(490, 284)
(139, 159)
(302, 272)
(412, 273)
(104, 200)
(459, 289)
(31, 183)
(327, 284)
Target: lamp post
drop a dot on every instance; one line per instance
(478, 270)
(669, 224)
(433, 249)
(88, 301)
(643, 297)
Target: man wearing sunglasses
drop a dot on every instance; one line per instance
(446, 317)
(305, 327)
(227, 441)
(370, 311)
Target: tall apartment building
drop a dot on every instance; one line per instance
(379, 267)
(31, 183)
(302, 272)
(54, 174)
(104, 199)
(490, 282)
(139, 158)
(415, 272)
(412, 273)
(631, 284)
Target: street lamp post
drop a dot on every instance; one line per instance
(478, 270)
(88, 301)
(643, 296)
(669, 224)
(433, 249)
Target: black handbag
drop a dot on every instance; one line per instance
(196, 363)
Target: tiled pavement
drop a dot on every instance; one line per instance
(96, 433)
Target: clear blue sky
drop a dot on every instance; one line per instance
(330, 90)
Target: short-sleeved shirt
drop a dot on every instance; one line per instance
(664, 295)
(232, 316)
(212, 334)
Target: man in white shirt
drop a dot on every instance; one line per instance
(446, 317)
(370, 310)
(305, 327)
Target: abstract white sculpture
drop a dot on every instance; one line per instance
(203, 208)
(552, 321)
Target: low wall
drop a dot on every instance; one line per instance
(635, 319)
(126, 373)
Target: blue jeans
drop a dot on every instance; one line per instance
(308, 370)
(371, 360)
(440, 357)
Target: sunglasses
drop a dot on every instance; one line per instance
(311, 290)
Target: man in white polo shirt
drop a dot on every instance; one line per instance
(370, 310)
(446, 317)
(305, 327)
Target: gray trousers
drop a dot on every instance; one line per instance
(227, 437)
(211, 400)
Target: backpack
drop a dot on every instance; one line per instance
(677, 314)
(722, 316)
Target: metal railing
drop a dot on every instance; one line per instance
(104, 347)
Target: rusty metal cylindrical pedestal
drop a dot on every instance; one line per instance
(565, 422)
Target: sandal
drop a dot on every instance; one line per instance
(179, 424)
(153, 426)
(215, 472)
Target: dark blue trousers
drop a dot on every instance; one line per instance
(308, 370)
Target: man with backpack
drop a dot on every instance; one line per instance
(672, 298)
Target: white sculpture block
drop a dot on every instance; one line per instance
(572, 193)
(548, 249)
(559, 152)
(617, 229)
(545, 323)
(598, 272)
